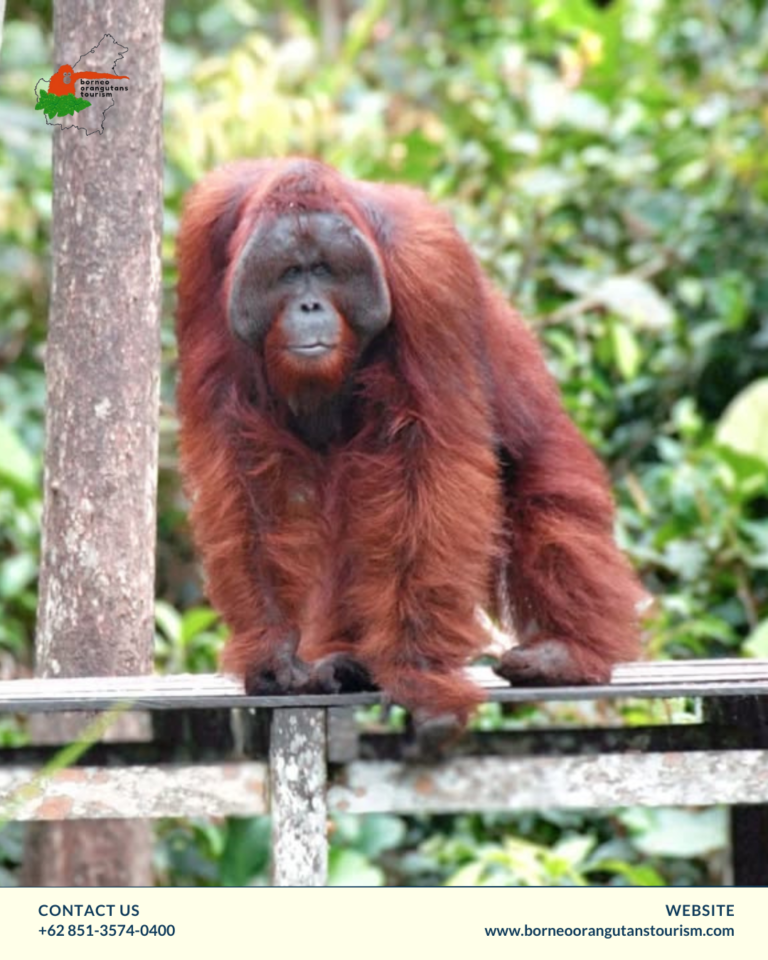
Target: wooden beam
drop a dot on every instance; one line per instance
(699, 678)
(461, 785)
(536, 783)
(99, 793)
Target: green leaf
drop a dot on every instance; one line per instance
(246, 851)
(470, 875)
(747, 473)
(626, 350)
(683, 833)
(16, 574)
(639, 875)
(574, 850)
(756, 644)
(17, 466)
(195, 621)
(380, 832)
(348, 868)
(168, 620)
(635, 300)
(731, 294)
(744, 424)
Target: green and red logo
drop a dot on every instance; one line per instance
(91, 81)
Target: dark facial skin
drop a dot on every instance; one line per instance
(313, 271)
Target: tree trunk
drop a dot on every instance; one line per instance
(95, 612)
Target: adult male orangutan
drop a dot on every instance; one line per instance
(374, 449)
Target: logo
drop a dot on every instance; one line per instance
(83, 92)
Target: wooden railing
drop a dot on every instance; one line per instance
(215, 752)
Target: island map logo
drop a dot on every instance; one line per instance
(80, 94)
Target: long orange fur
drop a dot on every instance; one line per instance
(382, 546)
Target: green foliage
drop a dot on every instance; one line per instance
(20, 513)
(564, 848)
(644, 847)
(188, 642)
(60, 106)
(357, 843)
(11, 849)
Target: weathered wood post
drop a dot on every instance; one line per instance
(297, 782)
(95, 612)
(748, 823)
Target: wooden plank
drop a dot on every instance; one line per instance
(96, 793)
(535, 783)
(707, 678)
(465, 784)
(297, 798)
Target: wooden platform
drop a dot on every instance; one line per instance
(301, 758)
(665, 679)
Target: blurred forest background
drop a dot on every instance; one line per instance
(608, 161)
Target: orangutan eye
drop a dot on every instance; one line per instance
(291, 273)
